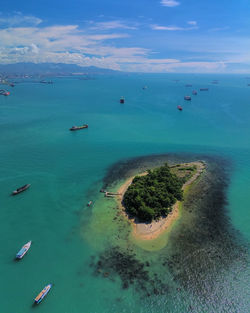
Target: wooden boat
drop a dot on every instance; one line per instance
(90, 203)
(79, 127)
(4, 92)
(21, 189)
(43, 293)
(20, 254)
(179, 108)
(188, 98)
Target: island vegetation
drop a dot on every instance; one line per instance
(152, 196)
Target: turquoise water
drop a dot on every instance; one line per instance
(66, 171)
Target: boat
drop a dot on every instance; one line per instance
(43, 293)
(203, 89)
(188, 98)
(4, 92)
(90, 203)
(179, 108)
(20, 254)
(188, 85)
(194, 92)
(20, 189)
(79, 127)
(122, 100)
(144, 87)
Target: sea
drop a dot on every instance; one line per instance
(75, 247)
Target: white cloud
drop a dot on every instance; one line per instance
(170, 3)
(194, 23)
(172, 28)
(18, 19)
(112, 25)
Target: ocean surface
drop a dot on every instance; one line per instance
(66, 170)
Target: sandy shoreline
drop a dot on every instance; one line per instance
(153, 230)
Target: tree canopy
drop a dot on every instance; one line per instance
(151, 196)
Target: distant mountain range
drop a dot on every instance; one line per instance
(50, 69)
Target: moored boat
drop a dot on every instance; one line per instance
(21, 189)
(20, 254)
(179, 108)
(188, 85)
(203, 89)
(194, 92)
(43, 293)
(188, 98)
(90, 203)
(79, 127)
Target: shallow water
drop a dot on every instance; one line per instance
(67, 169)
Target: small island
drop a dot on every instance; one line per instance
(152, 200)
(152, 196)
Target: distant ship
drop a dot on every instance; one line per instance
(187, 98)
(4, 92)
(21, 189)
(79, 127)
(179, 108)
(43, 293)
(203, 89)
(194, 92)
(23, 250)
(122, 100)
(46, 82)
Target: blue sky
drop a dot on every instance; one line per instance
(198, 36)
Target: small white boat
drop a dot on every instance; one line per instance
(23, 250)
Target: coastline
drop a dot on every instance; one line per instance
(151, 231)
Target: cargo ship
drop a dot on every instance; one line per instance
(179, 108)
(23, 250)
(43, 293)
(204, 89)
(188, 98)
(21, 189)
(79, 127)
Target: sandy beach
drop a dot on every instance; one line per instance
(152, 230)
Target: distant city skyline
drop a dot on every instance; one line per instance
(134, 36)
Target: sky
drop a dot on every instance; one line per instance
(182, 36)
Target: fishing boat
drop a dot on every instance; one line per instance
(179, 108)
(79, 127)
(4, 92)
(194, 92)
(122, 100)
(21, 189)
(43, 293)
(20, 254)
(90, 203)
(203, 89)
(188, 98)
